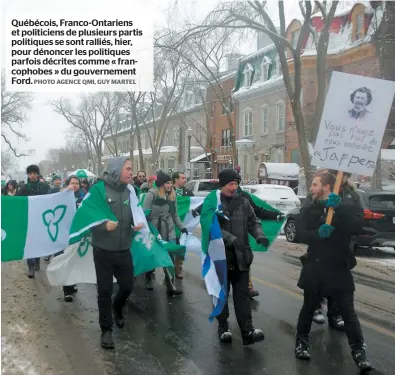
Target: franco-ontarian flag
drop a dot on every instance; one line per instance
(76, 264)
(37, 226)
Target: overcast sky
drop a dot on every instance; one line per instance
(46, 129)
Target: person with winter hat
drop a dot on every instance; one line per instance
(56, 184)
(237, 221)
(11, 188)
(33, 187)
(146, 186)
(161, 202)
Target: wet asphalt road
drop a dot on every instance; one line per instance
(165, 335)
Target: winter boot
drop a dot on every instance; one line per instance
(318, 317)
(178, 268)
(149, 280)
(253, 293)
(171, 289)
(106, 341)
(361, 361)
(336, 322)
(69, 298)
(302, 349)
(224, 334)
(252, 336)
(119, 318)
(30, 273)
(37, 264)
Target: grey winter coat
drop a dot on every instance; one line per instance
(163, 215)
(117, 197)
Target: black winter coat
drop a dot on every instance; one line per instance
(242, 221)
(31, 189)
(328, 263)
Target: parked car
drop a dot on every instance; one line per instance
(202, 188)
(379, 220)
(278, 196)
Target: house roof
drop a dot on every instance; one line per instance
(254, 62)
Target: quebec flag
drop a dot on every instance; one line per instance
(214, 268)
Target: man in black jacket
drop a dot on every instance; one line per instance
(261, 214)
(33, 187)
(327, 265)
(111, 243)
(237, 220)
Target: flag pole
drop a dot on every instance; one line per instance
(336, 190)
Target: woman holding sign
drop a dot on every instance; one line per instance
(327, 266)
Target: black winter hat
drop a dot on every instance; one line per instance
(162, 178)
(228, 175)
(33, 168)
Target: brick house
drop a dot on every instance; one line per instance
(350, 50)
(260, 100)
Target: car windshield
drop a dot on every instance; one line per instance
(208, 185)
(382, 201)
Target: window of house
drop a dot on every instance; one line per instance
(277, 70)
(279, 156)
(176, 135)
(171, 164)
(248, 75)
(265, 120)
(248, 123)
(162, 164)
(295, 38)
(265, 71)
(229, 104)
(359, 27)
(280, 116)
(225, 139)
(210, 109)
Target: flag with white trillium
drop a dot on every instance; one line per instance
(37, 226)
(76, 264)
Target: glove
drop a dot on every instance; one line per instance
(194, 213)
(280, 217)
(326, 230)
(185, 230)
(333, 200)
(263, 241)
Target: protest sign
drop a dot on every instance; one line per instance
(353, 122)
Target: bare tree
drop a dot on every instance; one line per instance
(206, 57)
(170, 77)
(93, 117)
(13, 113)
(253, 15)
(8, 160)
(384, 32)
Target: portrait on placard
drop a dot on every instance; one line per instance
(360, 99)
(353, 122)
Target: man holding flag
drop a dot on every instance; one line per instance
(228, 254)
(111, 241)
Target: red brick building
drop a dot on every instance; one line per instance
(350, 50)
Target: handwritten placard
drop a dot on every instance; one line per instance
(353, 122)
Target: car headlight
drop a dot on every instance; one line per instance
(297, 204)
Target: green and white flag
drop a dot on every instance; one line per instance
(76, 264)
(33, 227)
